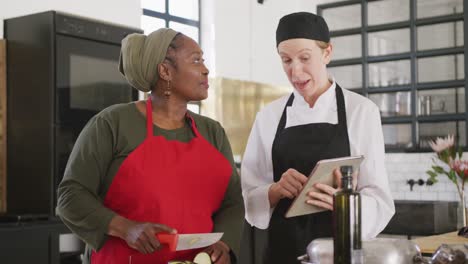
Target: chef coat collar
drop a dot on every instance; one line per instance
(327, 99)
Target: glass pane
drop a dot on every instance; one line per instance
(441, 68)
(393, 104)
(430, 8)
(194, 108)
(343, 17)
(430, 131)
(388, 11)
(389, 73)
(445, 35)
(389, 42)
(188, 30)
(155, 5)
(460, 66)
(184, 8)
(443, 101)
(397, 135)
(348, 77)
(150, 24)
(346, 47)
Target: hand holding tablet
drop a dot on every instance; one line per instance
(322, 173)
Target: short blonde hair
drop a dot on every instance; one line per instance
(322, 44)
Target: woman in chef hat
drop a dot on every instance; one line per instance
(318, 120)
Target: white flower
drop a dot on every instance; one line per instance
(441, 144)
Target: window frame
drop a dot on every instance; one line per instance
(167, 17)
(413, 55)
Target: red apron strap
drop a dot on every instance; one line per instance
(149, 118)
(193, 125)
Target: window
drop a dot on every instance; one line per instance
(181, 15)
(411, 63)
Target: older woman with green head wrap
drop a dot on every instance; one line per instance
(148, 169)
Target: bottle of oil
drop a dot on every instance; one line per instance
(347, 245)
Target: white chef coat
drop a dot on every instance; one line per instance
(365, 138)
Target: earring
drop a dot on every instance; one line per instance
(167, 93)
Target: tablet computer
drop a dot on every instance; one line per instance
(322, 173)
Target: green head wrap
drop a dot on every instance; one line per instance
(140, 56)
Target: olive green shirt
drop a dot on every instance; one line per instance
(105, 142)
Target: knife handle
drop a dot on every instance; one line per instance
(168, 239)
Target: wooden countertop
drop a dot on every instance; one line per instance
(429, 244)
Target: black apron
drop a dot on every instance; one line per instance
(301, 147)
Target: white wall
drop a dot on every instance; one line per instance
(243, 32)
(265, 63)
(122, 12)
(402, 167)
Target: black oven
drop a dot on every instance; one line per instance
(61, 71)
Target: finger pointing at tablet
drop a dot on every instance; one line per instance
(289, 186)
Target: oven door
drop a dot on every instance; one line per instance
(88, 79)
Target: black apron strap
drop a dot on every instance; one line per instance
(282, 122)
(341, 108)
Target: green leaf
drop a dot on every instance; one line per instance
(439, 169)
(452, 176)
(462, 175)
(432, 176)
(460, 152)
(453, 153)
(443, 155)
(431, 173)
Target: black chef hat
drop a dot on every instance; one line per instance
(302, 25)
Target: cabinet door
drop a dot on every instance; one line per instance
(2, 125)
(24, 246)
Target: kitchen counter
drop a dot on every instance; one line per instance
(429, 244)
(434, 218)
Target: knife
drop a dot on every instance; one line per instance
(177, 242)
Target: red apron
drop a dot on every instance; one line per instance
(169, 182)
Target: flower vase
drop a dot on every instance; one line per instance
(464, 212)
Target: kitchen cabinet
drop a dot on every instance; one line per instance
(3, 101)
(423, 218)
(407, 56)
(38, 242)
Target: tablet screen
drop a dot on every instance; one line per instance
(322, 173)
